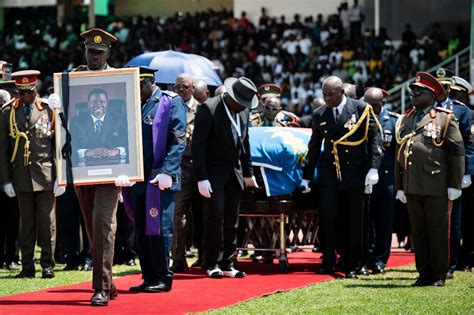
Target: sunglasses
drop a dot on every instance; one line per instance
(418, 92)
(272, 109)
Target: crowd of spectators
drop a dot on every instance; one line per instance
(297, 55)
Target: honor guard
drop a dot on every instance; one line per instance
(26, 135)
(428, 172)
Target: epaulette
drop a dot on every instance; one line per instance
(393, 114)
(255, 116)
(169, 93)
(10, 102)
(457, 102)
(445, 110)
(81, 68)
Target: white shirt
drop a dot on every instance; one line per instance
(340, 107)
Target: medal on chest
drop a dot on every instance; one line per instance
(43, 126)
(351, 122)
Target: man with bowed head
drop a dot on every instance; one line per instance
(222, 165)
(348, 164)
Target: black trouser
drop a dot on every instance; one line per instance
(455, 233)
(70, 222)
(348, 205)
(153, 251)
(381, 213)
(221, 213)
(9, 227)
(466, 255)
(124, 237)
(429, 218)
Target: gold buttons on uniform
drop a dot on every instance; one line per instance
(333, 163)
(386, 172)
(347, 163)
(432, 172)
(332, 141)
(409, 163)
(27, 132)
(347, 151)
(332, 151)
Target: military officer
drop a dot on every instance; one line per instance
(463, 116)
(428, 174)
(98, 203)
(349, 161)
(383, 195)
(460, 90)
(271, 114)
(26, 133)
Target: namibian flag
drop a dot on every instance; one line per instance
(280, 153)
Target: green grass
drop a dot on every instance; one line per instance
(382, 294)
(10, 285)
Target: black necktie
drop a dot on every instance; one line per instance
(27, 111)
(337, 115)
(98, 126)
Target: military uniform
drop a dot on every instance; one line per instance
(28, 162)
(430, 159)
(382, 201)
(283, 119)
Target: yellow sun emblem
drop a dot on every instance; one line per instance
(97, 39)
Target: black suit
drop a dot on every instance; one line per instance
(223, 159)
(112, 135)
(342, 199)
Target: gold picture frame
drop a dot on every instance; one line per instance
(104, 121)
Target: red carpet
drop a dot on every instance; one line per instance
(192, 292)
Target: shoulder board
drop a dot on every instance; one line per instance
(169, 93)
(393, 114)
(81, 68)
(457, 103)
(445, 110)
(255, 116)
(409, 112)
(9, 103)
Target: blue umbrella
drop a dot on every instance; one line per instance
(171, 63)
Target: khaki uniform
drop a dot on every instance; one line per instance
(283, 119)
(98, 205)
(31, 170)
(429, 159)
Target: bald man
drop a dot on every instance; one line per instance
(350, 90)
(343, 172)
(382, 201)
(201, 92)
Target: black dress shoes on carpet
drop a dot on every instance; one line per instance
(100, 298)
(179, 266)
(325, 270)
(363, 271)
(157, 287)
(377, 270)
(139, 288)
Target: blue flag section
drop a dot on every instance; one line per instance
(280, 154)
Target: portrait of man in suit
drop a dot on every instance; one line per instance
(99, 134)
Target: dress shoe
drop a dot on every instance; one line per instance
(131, 262)
(422, 282)
(179, 266)
(325, 270)
(13, 266)
(231, 272)
(25, 274)
(197, 263)
(87, 265)
(450, 275)
(467, 269)
(438, 283)
(401, 244)
(378, 270)
(100, 298)
(363, 271)
(214, 272)
(113, 293)
(47, 273)
(157, 287)
(139, 288)
(351, 275)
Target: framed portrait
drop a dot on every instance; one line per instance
(102, 112)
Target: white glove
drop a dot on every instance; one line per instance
(372, 177)
(250, 182)
(9, 190)
(401, 196)
(58, 190)
(466, 181)
(454, 193)
(54, 102)
(164, 181)
(305, 184)
(120, 197)
(123, 181)
(368, 189)
(205, 189)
